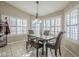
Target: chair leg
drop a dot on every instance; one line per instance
(26, 45)
(42, 50)
(46, 51)
(37, 52)
(56, 52)
(59, 51)
(51, 51)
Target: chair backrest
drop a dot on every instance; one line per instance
(58, 39)
(30, 32)
(46, 32)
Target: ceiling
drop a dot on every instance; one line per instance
(44, 7)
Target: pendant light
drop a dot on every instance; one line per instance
(36, 16)
(37, 10)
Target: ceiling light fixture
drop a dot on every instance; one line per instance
(36, 17)
(37, 9)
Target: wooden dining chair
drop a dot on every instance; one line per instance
(55, 45)
(34, 42)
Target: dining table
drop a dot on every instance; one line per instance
(42, 38)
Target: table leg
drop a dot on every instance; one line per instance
(37, 52)
(43, 49)
(46, 51)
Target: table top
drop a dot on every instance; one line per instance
(43, 37)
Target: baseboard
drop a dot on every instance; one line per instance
(16, 42)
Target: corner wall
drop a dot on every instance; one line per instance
(9, 10)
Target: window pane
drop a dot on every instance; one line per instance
(19, 22)
(52, 22)
(19, 30)
(56, 25)
(72, 24)
(24, 29)
(24, 23)
(58, 21)
(13, 30)
(36, 26)
(12, 21)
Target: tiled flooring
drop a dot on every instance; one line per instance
(18, 50)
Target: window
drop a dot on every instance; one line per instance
(24, 26)
(56, 25)
(53, 24)
(43, 26)
(12, 25)
(46, 24)
(36, 26)
(17, 25)
(71, 21)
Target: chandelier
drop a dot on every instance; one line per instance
(36, 16)
(37, 9)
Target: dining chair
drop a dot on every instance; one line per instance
(37, 44)
(34, 42)
(29, 38)
(55, 45)
(30, 32)
(46, 32)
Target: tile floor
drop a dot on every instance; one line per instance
(18, 50)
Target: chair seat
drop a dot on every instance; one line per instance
(36, 44)
(50, 45)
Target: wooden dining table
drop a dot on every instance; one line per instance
(42, 38)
